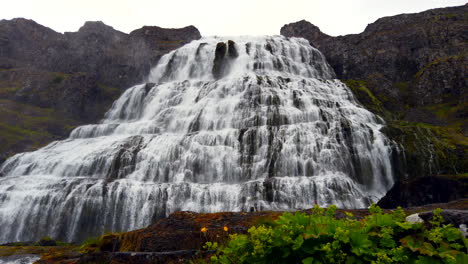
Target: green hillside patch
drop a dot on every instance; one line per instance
(366, 97)
(437, 61)
(429, 149)
(29, 127)
(8, 91)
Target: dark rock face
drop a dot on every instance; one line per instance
(426, 49)
(117, 59)
(51, 82)
(410, 69)
(425, 190)
(224, 54)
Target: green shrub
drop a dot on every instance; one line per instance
(321, 238)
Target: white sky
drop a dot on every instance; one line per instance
(215, 17)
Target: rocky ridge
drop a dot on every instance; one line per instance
(51, 82)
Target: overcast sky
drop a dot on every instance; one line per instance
(216, 17)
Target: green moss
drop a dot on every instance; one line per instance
(366, 97)
(24, 127)
(90, 245)
(130, 241)
(438, 61)
(58, 77)
(109, 242)
(111, 93)
(37, 250)
(8, 91)
(12, 134)
(447, 111)
(430, 149)
(443, 17)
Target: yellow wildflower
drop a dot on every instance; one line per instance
(226, 228)
(204, 229)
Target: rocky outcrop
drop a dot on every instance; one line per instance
(400, 49)
(51, 82)
(224, 54)
(426, 190)
(117, 59)
(410, 69)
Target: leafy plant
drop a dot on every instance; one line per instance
(321, 238)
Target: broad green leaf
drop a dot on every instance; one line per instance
(405, 225)
(298, 243)
(360, 243)
(411, 242)
(462, 258)
(452, 234)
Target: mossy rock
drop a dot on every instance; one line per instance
(425, 149)
(428, 150)
(47, 242)
(366, 97)
(110, 242)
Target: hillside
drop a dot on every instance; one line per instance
(52, 82)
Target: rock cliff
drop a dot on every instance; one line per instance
(51, 82)
(411, 69)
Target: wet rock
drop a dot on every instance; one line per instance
(414, 218)
(125, 160)
(450, 216)
(425, 190)
(149, 86)
(219, 60)
(224, 54)
(232, 51)
(457, 218)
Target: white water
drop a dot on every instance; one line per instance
(274, 131)
(19, 259)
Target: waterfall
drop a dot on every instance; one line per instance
(222, 124)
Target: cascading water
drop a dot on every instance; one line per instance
(254, 123)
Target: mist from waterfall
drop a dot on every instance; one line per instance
(222, 124)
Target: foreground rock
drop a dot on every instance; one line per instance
(426, 190)
(51, 82)
(410, 69)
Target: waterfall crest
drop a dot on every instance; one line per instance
(223, 124)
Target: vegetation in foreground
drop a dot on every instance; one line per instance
(322, 238)
(316, 236)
